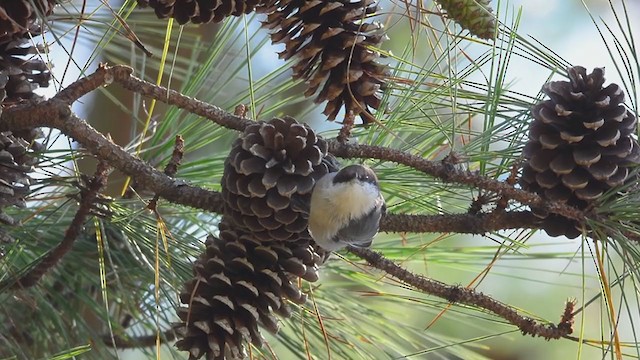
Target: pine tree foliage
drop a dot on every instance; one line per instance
(450, 99)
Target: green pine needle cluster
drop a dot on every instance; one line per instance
(476, 16)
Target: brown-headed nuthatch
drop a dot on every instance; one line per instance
(346, 208)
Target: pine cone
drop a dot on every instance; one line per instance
(199, 11)
(580, 145)
(268, 178)
(17, 17)
(21, 69)
(239, 283)
(331, 41)
(16, 161)
(20, 74)
(473, 15)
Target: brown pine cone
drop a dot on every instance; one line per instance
(240, 283)
(332, 41)
(581, 145)
(268, 178)
(16, 160)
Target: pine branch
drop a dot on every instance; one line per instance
(461, 295)
(43, 114)
(448, 173)
(105, 75)
(57, 114)
(458, 223)
(172, 167)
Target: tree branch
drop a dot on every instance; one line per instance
(448, 173)
(458, 223)
(57, 114)
(461, 295)
(171, 169)
(122, 75)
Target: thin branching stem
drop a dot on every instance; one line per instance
(122, 75)
(450, 174)
(57, 114)
(442, 170)
(172, 167)
(462, 295)
(176, 157)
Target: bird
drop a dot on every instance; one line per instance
(345, 208)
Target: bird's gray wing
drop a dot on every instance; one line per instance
(360, 232)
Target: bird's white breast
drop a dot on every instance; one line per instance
(334, 205)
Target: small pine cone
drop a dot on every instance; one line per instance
(473, 15)
(199, 11)
(581, 145)
(331, 41)
(16, 161)
(21, 71)
(268, 178)
(17, 17)
(240, 283)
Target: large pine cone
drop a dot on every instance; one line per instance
(240, 283)
(17, 17)
(580, 145)
(332, 41)
(268, 178)
(199, 11)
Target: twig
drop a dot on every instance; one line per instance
(172, 167)
(451, 174)
(122, 75)
(95, 186)
(347, 126)
(462, 295)
(134, 342)
(176, 157)
(100, 207)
